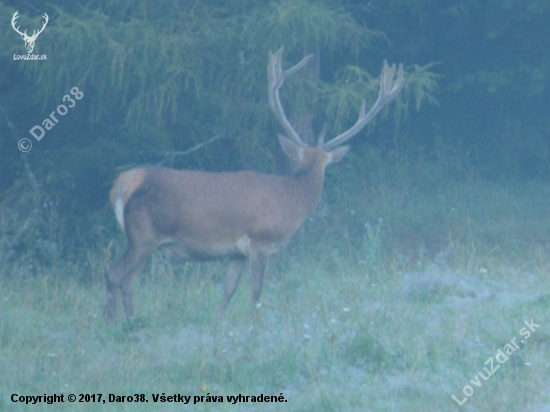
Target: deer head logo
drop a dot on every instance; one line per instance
(29, 40)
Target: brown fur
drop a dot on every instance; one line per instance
(202, 216)
(239, 215)
(125, 185)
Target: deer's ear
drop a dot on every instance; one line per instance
(290, 148)
(338, 154)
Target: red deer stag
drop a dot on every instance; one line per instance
(237, 215)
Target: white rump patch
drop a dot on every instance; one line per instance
(119, 209)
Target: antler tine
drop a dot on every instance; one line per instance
(388, 90)
(46, 20)
(13, 22)
(35, 33)
(321, 138)
(276, 77)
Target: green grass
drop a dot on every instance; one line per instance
(397, 317)
(330, 341)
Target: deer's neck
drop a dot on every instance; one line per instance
(309, 186)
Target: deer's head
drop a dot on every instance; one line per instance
(29, 40)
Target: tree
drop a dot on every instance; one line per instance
(159, 78)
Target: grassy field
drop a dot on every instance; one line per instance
(397, 315)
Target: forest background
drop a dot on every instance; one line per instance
(428, 251)
(161, 78)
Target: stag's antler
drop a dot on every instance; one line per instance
(13, 19)
(388, 90)
(276, 77)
